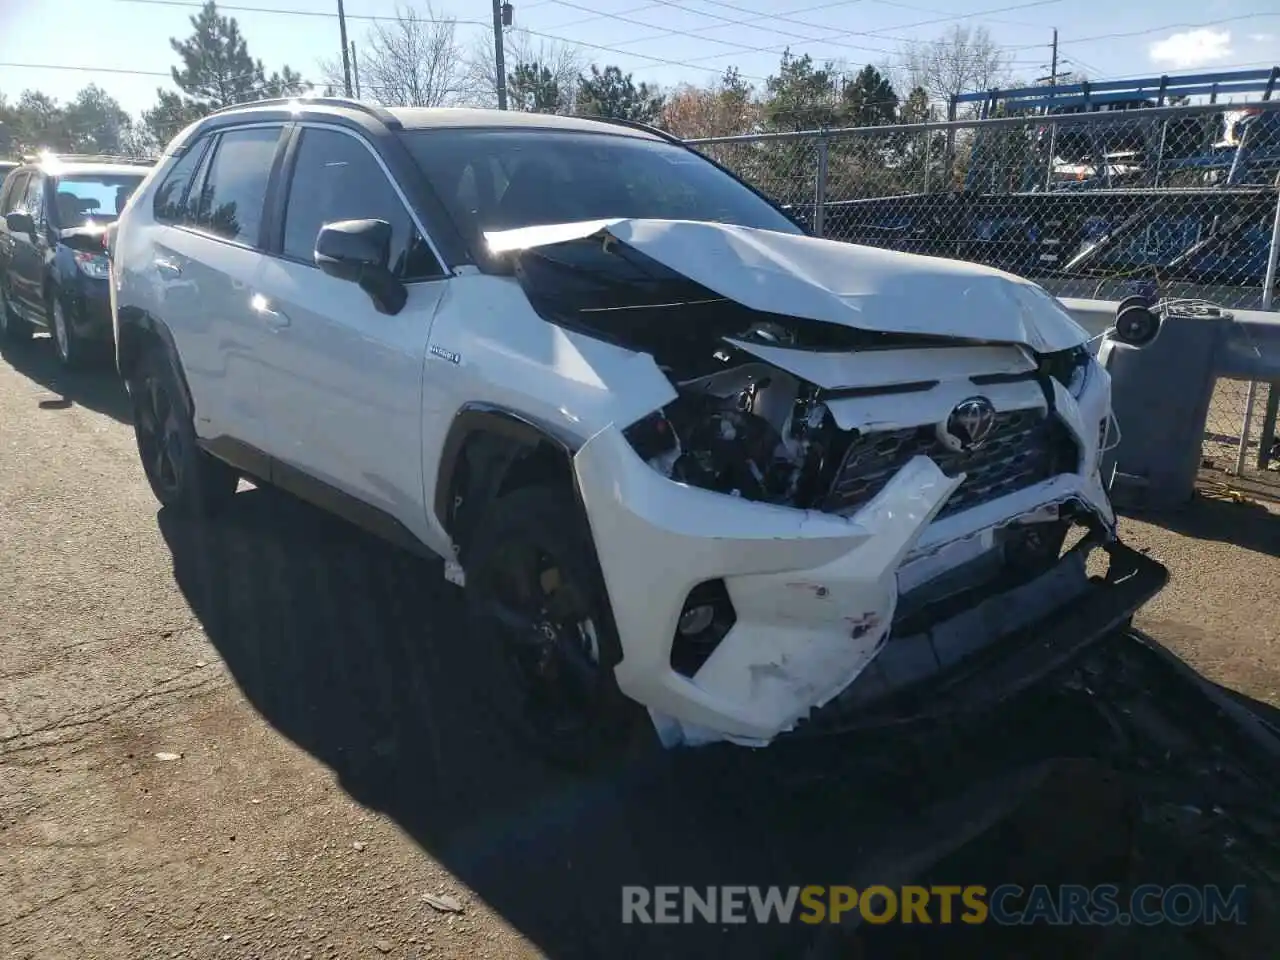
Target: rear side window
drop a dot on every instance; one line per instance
(167, 206)
(335, 177)
(235, 187)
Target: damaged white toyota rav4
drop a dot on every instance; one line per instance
(685, 458)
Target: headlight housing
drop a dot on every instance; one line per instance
(1070, 368)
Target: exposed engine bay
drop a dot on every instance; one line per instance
(744, 427)
(934, 429)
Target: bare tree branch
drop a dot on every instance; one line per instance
(411, 61)
(562, 61)
(963, 60)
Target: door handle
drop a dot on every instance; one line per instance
(264, 308)
(166, 266)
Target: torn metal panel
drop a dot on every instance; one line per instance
(887, 368)
(864, 288)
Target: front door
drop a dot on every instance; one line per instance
(343, 383)
(27, 253)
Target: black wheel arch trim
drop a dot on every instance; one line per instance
(472, 419)
(134, 326)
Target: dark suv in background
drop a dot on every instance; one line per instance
(54, 211)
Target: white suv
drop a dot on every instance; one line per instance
(680, 454)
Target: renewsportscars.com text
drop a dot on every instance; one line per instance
(1007, 904)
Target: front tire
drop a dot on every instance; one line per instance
(67, 344)
(182, 476)
(540, 616)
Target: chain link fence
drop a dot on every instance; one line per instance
(1168, 202)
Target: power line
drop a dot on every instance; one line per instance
(880, 34)
(695, 64)
(697, 33)
(325, 14)
(907, 6)
(63, 66)
(829, 39)
(1159, 29)
(471, 23)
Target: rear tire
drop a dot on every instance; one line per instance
(182, 476)
(540, 619)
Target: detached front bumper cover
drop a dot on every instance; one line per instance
(998, 647)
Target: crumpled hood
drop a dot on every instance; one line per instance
(866, 288)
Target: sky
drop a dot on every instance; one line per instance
(59, 46)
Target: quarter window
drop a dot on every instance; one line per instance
(335, 177)
(234, 190)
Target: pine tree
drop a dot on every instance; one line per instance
(216, 72)
(869, 99)
(611, 93)
(533, 88)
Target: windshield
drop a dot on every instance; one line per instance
(503, 179)
(100, 197)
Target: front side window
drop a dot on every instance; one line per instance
(100, 197)
(167, 204)
(234, 190)
(503, 179)
(33, 203)
(335, 177)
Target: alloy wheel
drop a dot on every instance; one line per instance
(551, 650)
(160, 436)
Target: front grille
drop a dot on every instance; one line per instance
(1025, 447)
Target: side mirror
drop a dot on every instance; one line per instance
(359, 251)
(19, 222)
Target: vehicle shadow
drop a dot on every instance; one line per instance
(359, 654)
(1244, 523)
(96, 387)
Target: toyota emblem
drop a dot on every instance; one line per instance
(969, 425)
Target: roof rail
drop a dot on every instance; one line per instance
(382, 114)
(635, 125)
(88, 158)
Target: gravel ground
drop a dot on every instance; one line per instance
(258, 739)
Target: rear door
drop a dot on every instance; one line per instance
(207, 259)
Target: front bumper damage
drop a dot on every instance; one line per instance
(815, 598)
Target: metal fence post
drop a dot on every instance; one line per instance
(1268, 290)
(820, 187)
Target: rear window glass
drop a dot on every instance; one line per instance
(81, 197)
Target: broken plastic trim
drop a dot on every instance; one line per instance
(1089, 609)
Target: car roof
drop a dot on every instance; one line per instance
(69, 166)
(427, 118)
(417, 118)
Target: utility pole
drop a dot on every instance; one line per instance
(500, 66)
(1053, 66)
(346, 62)
(355, 69)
